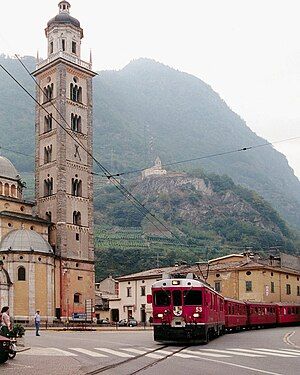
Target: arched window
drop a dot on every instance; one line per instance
(73, 47)
(48, 187)
(75, 93)
(63, 44)
(6, 190)
(1, 188)
(77, 298)
(76, 218)
(13, 191)
(48, 154)
(48, 123)
(76, 187)
(21, 274)
(48, 92)
(76, 123)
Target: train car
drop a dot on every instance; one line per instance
(236, 317)
(261, 314)
(186, 310)
(288, 314)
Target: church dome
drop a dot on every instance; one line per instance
(25, 240)
(7, 169)
(64, 17)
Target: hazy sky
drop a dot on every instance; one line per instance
(247, 50)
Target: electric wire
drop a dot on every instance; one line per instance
(208, 156)
(140, 206)
(15, 152)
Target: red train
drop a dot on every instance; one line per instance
(189, 310)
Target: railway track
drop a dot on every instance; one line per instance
(153, 363)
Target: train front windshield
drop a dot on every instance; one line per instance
(192, 297)
(162, 298)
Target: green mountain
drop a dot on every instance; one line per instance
(210, 215)
(148, 109)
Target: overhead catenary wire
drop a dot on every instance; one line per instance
(209, 156)
(15, 152)
(140, 206)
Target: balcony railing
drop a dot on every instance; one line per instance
(66, 56)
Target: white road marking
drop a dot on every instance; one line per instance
(234, 353)
(136, 351)
(256, 370)
(52, 352)
(279, 351)
(115, 352)
(291, 350)
(88, 352)
(265, 353)
(198, 352)
(166, 352)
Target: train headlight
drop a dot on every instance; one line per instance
(160, 315)
(196, 315)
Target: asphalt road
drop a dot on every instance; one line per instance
(273, 351)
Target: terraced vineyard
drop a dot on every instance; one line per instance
(127, 250)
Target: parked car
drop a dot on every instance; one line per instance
(132, 323)
(122, 323)
(103, 322)
(127, 323)
(4, 349)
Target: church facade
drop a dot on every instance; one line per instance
(47, 251)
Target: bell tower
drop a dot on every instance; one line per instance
(64, 183)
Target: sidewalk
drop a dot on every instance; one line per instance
(92, 328)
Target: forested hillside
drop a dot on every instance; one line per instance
(148, 109)
(209, 214)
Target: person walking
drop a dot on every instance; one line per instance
(37, 322)
(5, 321)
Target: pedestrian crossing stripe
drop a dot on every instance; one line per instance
(278, 351)
(48, 352)
(132, 352)
(272, 353)
(141, 352)
(115, 352)
(88, 352)
(234, 353)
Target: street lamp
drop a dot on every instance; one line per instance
(203, 263)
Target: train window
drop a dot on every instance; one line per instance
(177, 299)
(289, 310)
(162, 298)
(207, 299)
(192, 297)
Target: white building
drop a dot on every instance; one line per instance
(131, 301)
(156, 170)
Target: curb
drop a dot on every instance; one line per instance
(22, 349)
